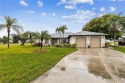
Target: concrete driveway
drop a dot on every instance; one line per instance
(94, 65)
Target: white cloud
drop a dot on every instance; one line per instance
(70, 7)
(53, 14)
(72, 4)
(1, 17)
(112, 9)
(75, 2)
(80, 16)
(28, 11)
(116, 0)
(102, 9)
(93, 8)
(43, 14)
(23, 3)
(112, 0)
(101, 14)
(39, 3)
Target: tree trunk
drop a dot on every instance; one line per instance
(115, 38)
(63, 38)
(8, 31)
(31, 39)
(41, 45)
(60, 38)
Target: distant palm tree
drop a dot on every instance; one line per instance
(59, 31)
(63, 28)
(23, 37)
(31, 36)
(117, 22)
(43, 35)
(11, 23)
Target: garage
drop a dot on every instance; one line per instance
(80, 41)
(95, 41)
(88, 39)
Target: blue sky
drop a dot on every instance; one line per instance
(38, 15)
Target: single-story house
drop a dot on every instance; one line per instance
(81, 39)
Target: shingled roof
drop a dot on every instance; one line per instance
(87, 33)
(57, 35)
(81, 33)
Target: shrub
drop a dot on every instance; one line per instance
(58, 45)
(73, 45)
(107, 44)
(89, 46)
(65, 45)
(37, 44)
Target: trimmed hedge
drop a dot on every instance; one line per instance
(66, 45)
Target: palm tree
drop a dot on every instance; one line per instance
(31, 36)
(63, 28)
(117, 22)
(59, 31)
(43, 35)
(23, 37)
(11, 23)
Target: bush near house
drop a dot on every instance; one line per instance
(65, 45)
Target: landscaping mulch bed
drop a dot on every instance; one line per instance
(39, 51)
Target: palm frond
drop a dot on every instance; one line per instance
(119, 14)
(2, 26)
(17, 28)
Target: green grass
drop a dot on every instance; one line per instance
(19, 64)
(119, 48)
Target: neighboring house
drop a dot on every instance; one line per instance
(81, 39)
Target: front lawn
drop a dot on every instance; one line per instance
(119, 48)
(19, 64)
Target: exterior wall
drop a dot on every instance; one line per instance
(88, 41)
(72, 40)
(58, 41)
(46, 44)
(102, 41)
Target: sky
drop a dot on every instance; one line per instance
(38, 15)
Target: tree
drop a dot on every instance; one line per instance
(4, 40)
(15, 38)
(117, 22)
(59, 31)
(11, 23)
(43, 35)
(23, 38)
(102, 25)
(30, 36)
(63, 28)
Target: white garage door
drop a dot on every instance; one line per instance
(95, 41)
(80, 41)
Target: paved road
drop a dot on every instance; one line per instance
(94, 65)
